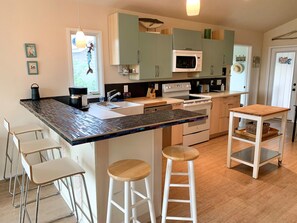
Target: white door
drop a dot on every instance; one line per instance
(240, 71)
(282, 79)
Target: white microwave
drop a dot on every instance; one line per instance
(186, 61)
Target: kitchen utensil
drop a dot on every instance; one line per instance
(35, 92)
(199, 88)
(205, 88)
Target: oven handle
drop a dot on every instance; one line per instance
(193, 104)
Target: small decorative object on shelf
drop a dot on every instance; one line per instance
(30, 49)
(150, 23)
(207, 33)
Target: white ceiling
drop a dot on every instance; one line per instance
(257, 15)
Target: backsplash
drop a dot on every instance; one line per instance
(140, 89)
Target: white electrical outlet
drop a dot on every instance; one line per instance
(126, 88)
(219, 82)
(156, 87)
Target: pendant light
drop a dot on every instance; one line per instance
(193, 7)
(80, 39)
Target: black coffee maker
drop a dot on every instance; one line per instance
(78, 97)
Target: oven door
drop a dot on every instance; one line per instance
(201, 125)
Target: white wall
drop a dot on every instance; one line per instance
(44, 23)
(267, 44)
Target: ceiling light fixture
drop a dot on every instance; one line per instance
(80, 39)
(193, 7)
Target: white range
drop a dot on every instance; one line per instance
(193, 132)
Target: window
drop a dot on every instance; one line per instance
(86, 64)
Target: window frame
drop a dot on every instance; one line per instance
(98, 34)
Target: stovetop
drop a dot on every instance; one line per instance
(190, 97)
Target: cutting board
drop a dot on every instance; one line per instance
(147, 102)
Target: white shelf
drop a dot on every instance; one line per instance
(246, 156)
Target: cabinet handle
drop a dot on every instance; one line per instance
(224, 59)
(138, 56)
(157, 69)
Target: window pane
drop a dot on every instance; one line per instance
(84, 63)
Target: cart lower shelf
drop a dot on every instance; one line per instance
(246, 156)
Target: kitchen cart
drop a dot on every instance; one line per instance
(256, 156)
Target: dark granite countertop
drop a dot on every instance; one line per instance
(78, 127)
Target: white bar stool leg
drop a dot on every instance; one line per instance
(150, 203)
(166, 189)
(37, 202)
(15, 181)
(110, 195)
(6, 156)
(87, 196)
(127, 201)
(192, 191)
(74, 200)
(133, 199)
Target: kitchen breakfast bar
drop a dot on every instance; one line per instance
(95, 142)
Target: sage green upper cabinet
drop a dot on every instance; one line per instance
(155, 56)
(186, 39)
(228, 46)
(217, 53)
(213, 57)
(123, 39)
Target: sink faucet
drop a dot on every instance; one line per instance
(110, 97)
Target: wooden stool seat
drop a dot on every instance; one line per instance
(129, 170)
(180, 153)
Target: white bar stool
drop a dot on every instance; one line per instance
(129, 171)
(32, 128)
(47, 172)
(180, 153)
(31, 147)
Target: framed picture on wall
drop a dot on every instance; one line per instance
(32, 67)
(30, 49)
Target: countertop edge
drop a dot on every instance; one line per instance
(109, 129)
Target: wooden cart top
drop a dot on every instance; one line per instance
(259, 110)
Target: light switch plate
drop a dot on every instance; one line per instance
(219, 82)
(156, 87)
(126, 88)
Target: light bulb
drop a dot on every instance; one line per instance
(80, 39)
(193, 7)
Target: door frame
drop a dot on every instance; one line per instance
(271, 68)
(248, 69)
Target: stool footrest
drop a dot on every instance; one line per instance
(117, 206)
(82, 211)
(138, 193)
(139, 202)
(179, 185)
(179, 218)
(179, 174)
(179, 201)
